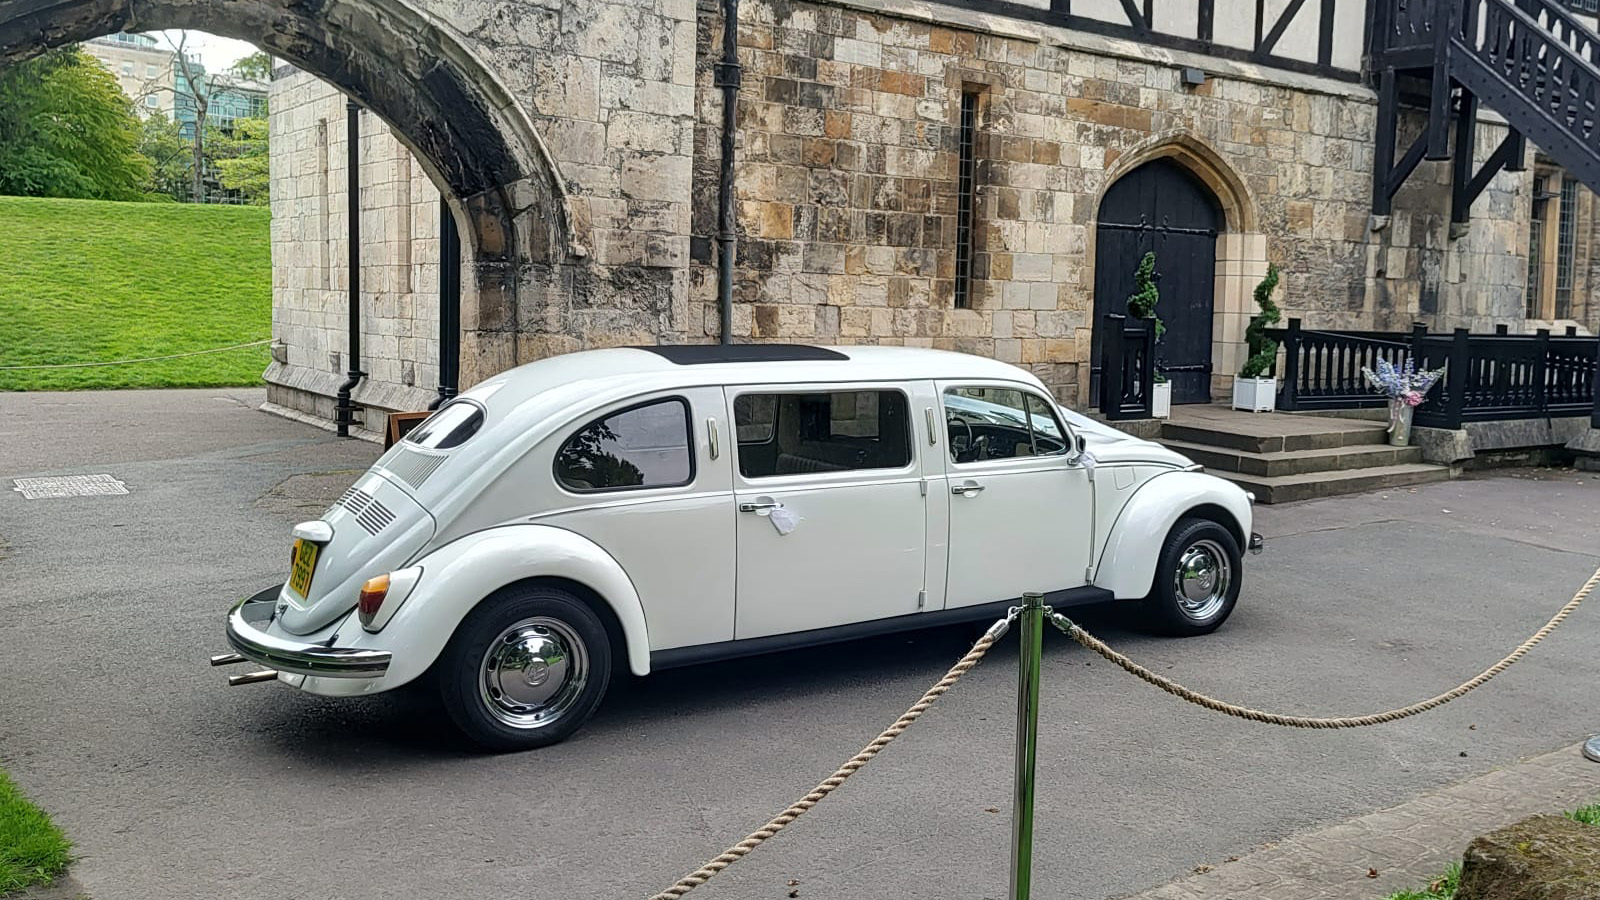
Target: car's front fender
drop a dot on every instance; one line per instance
(1127, 564)
(459, 575)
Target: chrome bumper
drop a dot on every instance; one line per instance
(247, 623)
(1257, 543)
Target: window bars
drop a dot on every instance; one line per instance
(1566, 236)
(966, 190)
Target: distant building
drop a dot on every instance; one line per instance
(142, 68)
(229, 99)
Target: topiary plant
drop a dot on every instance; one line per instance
(1142, 303)
(1263, 358)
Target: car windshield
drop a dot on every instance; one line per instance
(998, 414)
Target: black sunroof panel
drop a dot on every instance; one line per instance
(704, 354)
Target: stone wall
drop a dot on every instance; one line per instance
(847, 192)
(310, 252)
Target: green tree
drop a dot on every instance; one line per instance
(255, 67)
(161, 143)
(240, 158)
(67, 130)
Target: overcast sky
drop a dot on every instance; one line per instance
(216, 53)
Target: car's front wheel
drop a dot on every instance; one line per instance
(525, 669)
(1197, 579)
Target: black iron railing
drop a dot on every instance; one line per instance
(1500, 376)
(1487, 377)
(1322, 369)
(1127, 367)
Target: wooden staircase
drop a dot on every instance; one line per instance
(1283, 458)
(1531, 61)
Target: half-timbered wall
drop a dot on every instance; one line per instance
(1325, 37)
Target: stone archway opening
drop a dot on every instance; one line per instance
(1195, 177)
(475, 144)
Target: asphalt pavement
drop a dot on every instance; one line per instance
(173, 785)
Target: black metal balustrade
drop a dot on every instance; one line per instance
(1487, 377)
(1322, 369)
(1127, 361)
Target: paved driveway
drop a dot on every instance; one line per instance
(175, 786)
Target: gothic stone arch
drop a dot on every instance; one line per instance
(1241, 248)
(407, 68)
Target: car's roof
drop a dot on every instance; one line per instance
(652, 368)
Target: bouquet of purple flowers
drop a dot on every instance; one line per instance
(1402, 384)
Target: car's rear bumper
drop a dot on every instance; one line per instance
(1257, 542)
(247, 634)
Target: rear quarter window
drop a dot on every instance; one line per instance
(644, 446)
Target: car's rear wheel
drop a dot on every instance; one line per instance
(525, 669)
(1197, 580)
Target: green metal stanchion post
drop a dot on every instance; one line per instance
(1030, 646)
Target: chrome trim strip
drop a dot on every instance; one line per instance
(294, 656)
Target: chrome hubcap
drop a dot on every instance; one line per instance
(534, 672)
(1203, 578)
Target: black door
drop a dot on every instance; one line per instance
(1160, 206)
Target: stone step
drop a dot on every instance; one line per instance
(1296, 462)
(1288, 488)
(1277, 433)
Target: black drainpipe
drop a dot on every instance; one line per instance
(344, 410)
(727, 78)
(449, 305)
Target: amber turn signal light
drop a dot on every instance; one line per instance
(372, 594)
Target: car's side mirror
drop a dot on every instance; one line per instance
(1075, 444)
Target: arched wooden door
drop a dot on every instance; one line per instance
(1161, 206)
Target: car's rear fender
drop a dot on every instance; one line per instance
(458, 576)
(1127, 564)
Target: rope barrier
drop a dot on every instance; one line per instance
(1091, 642)
(828, 785)
(756, 838)
(123, 362)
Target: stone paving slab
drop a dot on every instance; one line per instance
(1407, 845)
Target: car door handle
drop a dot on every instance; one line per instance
(759, 506)
(966, 489)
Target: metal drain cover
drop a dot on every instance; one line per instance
(56, 486)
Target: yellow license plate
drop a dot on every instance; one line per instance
(305, 562)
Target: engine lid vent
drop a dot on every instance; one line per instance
(370, 514)
(411, 466)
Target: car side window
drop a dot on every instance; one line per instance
(986, 423)
(644, 446)
(837, 431)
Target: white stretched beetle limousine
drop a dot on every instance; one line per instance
(654, 507)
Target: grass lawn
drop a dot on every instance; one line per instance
(1445, 887)
(94, 281)
(32, 851)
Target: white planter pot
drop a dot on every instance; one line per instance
(1255, 394)
(1161, 399)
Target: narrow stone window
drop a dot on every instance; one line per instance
(1566, 245)
(324, 231)
(402, 209)
(966, 189)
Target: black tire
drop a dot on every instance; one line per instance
(1212, 554)
(493, 674)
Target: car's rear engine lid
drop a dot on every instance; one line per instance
(377, 528)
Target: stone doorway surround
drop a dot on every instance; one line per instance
(1241, 248)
